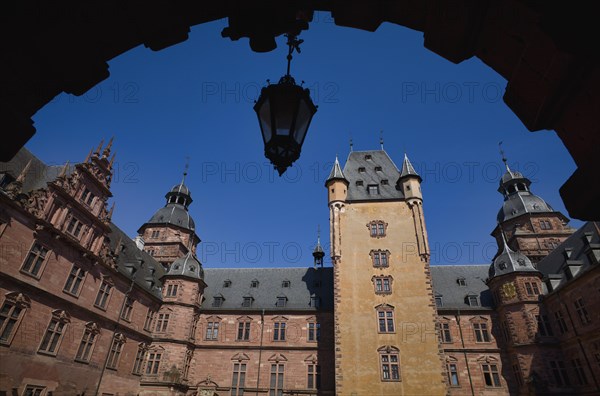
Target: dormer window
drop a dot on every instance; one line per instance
(227, 283)
(359, 183)
(385, 182)
(473, 300)
(378, 169)
(368, 157)
(373, 189)
(217, 301)
(361, 169)
(281, 302)
(461, 282)
(285, 284)
(247, 302)
(254, 283)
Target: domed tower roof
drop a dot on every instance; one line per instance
(188, 266)
(518, 199)
(510, 261)
(175, 211)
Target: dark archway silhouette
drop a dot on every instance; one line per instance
(546, 52)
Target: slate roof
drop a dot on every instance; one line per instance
(131, 261)
(38, 175)
(510, 261)
(556, 261)
(188, 266)
(175, 214)
(303, 285)
(369, 160)
(336, 172)
(445, 285)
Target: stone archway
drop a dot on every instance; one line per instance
(546, 53)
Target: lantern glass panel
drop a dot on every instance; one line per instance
(264, 115)
(302, 121)
(284, 115)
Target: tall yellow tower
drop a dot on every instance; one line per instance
(385, 319)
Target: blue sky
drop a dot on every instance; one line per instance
(195, 100)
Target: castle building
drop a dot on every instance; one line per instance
(87, 310)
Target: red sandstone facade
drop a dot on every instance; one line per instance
(84, 311)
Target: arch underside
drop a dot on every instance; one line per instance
(547, 54)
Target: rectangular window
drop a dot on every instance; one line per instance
(217, 302)
(74, 227)
(390, 367)
(87, 197)
(114, 354)
(103, 295)
(373, 229)
(559, 372)
(377, 259)
(544, 327)
(386, 321)
(473, 301)
(243, 331)
(138, 364)
(74, 280)
(127, 309)
(84, 352)
(314, 376)
(172, 290)
(212, 331)
(579, 372)
(314, 331)
(380, 227)
(481, 332)
(238, 379)
(545, 225)
(373, 189)
(446, 335)
(247, 302)
(560, 320)
(453, 375)
(581, 311)
(438, 302)
(10, 317)
(532, 288)
(162, 322)
(155, 233)
(34, 390)
(153, 363)
(35, 260)
(149, 319)
(384, 259)
(276, 383)
(52, 337)
(491, 375)
(281, 302)
(279, 331)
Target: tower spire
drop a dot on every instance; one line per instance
(503, 157)
(318, 252)
(381, 138)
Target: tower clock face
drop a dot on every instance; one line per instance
(509, 290)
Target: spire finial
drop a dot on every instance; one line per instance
(318, 234)
(112, 160)
(21, 177)
(63, 171)
(87, 159)
(503, 156)
(185, 168)
(110, 213)
(106, 151)
(503, 237)
(351, 144)
(381, 138)
(97, 152)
